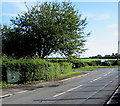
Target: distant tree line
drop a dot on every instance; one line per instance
(112, 56)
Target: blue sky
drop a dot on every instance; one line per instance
(102, 18)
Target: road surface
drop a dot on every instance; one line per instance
(93, 88)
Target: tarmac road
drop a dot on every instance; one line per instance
(93, 88)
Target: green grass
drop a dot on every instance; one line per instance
(94, 68)
(0, 62)
(71, 73)
(89, 60)
(60, 76)
(80, 59)
(89, 68)
(33, 82)
(105, 66)
(4, 85)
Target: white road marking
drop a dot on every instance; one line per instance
(105, 75)
(112, 96)
(21, 92)
(96, 79)
(108, 72)
(74, 88)
(59, 94)
(67, 91)
(73, 77)
(5, 96)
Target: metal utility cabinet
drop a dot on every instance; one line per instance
(13, 76)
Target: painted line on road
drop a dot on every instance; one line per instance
(7, 95)
(67, 91)
(21, 92)
(73, 77)
(112, 96)
(74, 88)
(105, 75)
(108, 72)
(96, 79)
(98, 90)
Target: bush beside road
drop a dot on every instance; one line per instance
(40, 70)
(34, 69)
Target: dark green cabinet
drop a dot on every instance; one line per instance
(13, 76)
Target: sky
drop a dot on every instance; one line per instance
(102, 18)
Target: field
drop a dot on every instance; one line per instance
(78, 59)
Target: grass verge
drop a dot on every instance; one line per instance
(71, 73)
(4, 85)
(94, 68)
(87, 68)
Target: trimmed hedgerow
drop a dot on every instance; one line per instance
(114, 62)
(34, 69)
(65, 67)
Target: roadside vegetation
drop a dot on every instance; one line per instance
(71, 73)
(94, 68)
(33, 71)
(46, 28)
(4, 85)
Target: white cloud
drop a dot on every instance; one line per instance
(113, 29)
(112, 26)
(21, 6)
(88, 15)
(103, 17)
(12, 0)
(8, 14)
(103, 42)
(28, 0)
(62, 0)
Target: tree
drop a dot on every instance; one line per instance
(44, 29)
(0, 42)
(99, 56)
(16, 44)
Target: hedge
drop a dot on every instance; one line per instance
(34, 69)
(79, 63)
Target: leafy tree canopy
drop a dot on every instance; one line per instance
(46, 28)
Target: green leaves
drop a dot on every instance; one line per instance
(34, 69)
(46, 28)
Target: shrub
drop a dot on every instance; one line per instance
(34, 69)
(65, 67)
(115, 63)
(94, 63)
